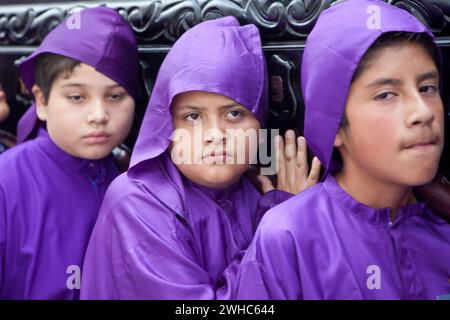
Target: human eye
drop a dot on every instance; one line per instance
(193, 117)
(76, 98)
(428, 89)
(234, 114)
(385, 96)
(117, 96)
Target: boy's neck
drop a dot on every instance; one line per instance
(375, 193)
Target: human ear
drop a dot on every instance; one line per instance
(41, 104)
(338, 140)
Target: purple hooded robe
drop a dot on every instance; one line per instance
(49, 200)
(159, 235)
(322, 243)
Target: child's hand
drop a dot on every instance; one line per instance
(292, 175)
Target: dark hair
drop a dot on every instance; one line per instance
(393, 39)
(386, 40)
(49, 66)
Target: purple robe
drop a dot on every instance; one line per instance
(322, 243)
(159, 235)
(49, 200)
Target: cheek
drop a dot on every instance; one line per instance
(60, 108)
(371, 138)
(122, 117)
(64, 118)
(439, 118)
(245, 136)
(4, 113)
(252, 123)
(182, 146)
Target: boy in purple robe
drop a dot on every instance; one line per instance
(374, 117)
(177, 230)
(84, 78)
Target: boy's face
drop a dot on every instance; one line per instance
(87, 113)
(395, 119)
(211, 139)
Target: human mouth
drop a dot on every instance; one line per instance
(422, 145)
(216, 156)
(98, 137)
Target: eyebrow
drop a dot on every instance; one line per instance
(384, 82)
(72, 84)
(230, 105)
(75, 84)
(431, 75)
(191, 107)
(200, 108)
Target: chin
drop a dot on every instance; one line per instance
(218, 180)
(95, 155)
(215, 176)
(421, 178)
(217, 183)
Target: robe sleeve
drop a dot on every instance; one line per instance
(140, 250)
(269, 200)
(269, 269)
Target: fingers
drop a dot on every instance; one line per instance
(293, 174)
(290, 155)
(302, 159)
(314, 174)
(281, 161)
(301, 168)
(266, 184)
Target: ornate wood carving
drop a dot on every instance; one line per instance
(162, 22)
